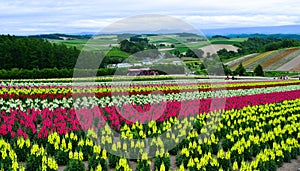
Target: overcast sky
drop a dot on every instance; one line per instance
(23, 17)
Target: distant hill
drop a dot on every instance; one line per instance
(278, 36)
(59, 36)
(288, 29)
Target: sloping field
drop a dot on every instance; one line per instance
(254, 59)
(292, 65)
(286, 63)
(214, 48)
(296, 68)
(251, 66)
(239, 60)
(278, 57)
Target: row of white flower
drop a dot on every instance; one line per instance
(89, 102)
(128, 83)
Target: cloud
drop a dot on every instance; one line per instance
(225, 21)
(35, 16)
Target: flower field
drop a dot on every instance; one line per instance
(149, 125)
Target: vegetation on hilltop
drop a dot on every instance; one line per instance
(30, 53)
(257, 45)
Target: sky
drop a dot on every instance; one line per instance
(27, 17)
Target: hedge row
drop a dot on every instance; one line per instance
(53, 73)
(70, 73)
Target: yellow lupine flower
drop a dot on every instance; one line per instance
(131, 144)
(20, 142)
(227, 155)
(67, 135)
(22, 168)
(191, 163)
(80, 156)
(214, 162)
(162, 167)
(15, 165)
(104, 154)
(81, 142)
(235, 166)
(12, 155)
(34, 149)
(96, 149)
(114, 147)
(181, 168)
(99, 168)
(144, 156)
(70, 155)
(119, 145)
(56, 146)
(72, 135)
(221, 154)
(70, 146)
(27, 142)
(75, 155)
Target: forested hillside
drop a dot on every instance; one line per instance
(258, 45)
(30, 53)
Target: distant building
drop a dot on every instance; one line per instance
(123, 65)
(137, 64)
(112, 66)
(142, 71)
(177, 62)
(146, 62)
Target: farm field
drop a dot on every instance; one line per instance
(214, 48)
(277, 60)
(149, 125)
(104, 41)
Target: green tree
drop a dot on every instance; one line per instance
(258, 71)
(227, 70)
(240, 70)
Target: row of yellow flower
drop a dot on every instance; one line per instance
(162, 87)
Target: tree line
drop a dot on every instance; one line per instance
(257, 45)
(30, 53)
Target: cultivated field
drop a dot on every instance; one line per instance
(150, 125)
(214, 48)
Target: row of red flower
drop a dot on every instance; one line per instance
(42, 122)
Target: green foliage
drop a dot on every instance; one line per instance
(197, 53)
(134, 47)
(55, 73)
(280, 73)
(95, 160)
(143, 165)
(33, 163)
(240, 70)
(164, 159)
(227, 70)
(61, 157)
(257, 45)
(30, 53)
(258, 71)
(180, 159)
(113, 160)
(169, 69)
(213, 65)
(75, 165)
(21, 151)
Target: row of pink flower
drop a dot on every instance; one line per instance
(18, 123)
